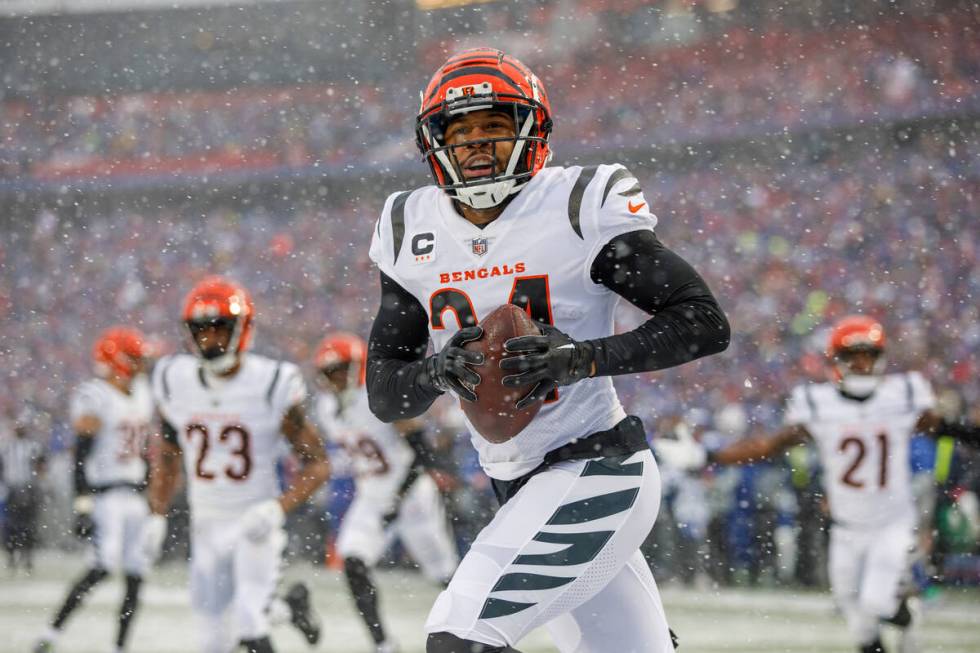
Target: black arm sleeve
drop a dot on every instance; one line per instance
(396, 350)
(424, 454)
(686, 321)
(168, 432)
(83, 447)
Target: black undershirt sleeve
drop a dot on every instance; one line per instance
(396, 349)
(168, 432)
(686, 322)
(83, 447)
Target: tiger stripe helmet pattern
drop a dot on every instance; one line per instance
(474, 80)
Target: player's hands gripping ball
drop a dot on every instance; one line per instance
(546, 361)
(494, 412)
(450, 368)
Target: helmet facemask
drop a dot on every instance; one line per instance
(487, 191)
(854, 383)
(216, 358)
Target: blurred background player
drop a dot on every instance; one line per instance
(111, 417)
(394, 496)
(21, 467)
(225, 412)
(862, 422)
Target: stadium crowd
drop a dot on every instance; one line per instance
(789, 240)
(788, 244)
(743, 84)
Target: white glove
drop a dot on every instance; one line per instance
(262, 519)
(683, 452)
(154, 533)
(84, 504)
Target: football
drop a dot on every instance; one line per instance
(493, 413)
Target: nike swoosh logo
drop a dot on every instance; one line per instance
(634, 209)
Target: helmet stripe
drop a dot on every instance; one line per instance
(474, 70)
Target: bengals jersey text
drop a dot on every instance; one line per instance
(538, 255)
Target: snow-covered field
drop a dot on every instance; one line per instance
(734, 621)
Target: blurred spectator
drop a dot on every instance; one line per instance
(21, 467)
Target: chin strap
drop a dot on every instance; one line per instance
(485, 195)
(222, 364)
(860, 386)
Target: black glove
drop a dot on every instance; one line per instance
(449, 369)
(549, 360)
(84, 525)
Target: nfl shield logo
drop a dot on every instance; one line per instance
(479, 246)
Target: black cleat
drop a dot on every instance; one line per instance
(301, 613)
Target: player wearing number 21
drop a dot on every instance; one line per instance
(225, 412)
(861, 422)
(578, 485)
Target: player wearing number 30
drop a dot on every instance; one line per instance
(579, 483)
(111, 416)
(225, 412)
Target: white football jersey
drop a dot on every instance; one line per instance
(864, 445)
(229, 429)
(117, 451)
(537, 255)
(378, 452)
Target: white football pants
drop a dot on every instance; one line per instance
(232, 578)
(421, 526)
(119, 517)
(564, 552)
(866, 567)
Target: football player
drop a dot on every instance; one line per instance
(862, 422)
(394, 496)
(225, 413)
(111, 417)
(578, 487)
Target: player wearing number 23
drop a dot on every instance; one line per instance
(229, 414)
(579, 484)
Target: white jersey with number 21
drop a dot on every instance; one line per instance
(864, 445)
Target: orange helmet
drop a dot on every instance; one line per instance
(119, 350)
(856, 332)
(342, 348)
(484, 79)
(852, 334)
(217, 301)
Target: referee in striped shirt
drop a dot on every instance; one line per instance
(21, 466)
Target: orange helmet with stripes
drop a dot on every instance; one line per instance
(343, 350)
(856, 332)
(119, 350)
(472, 81)
(850, 335)
(220, 303)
